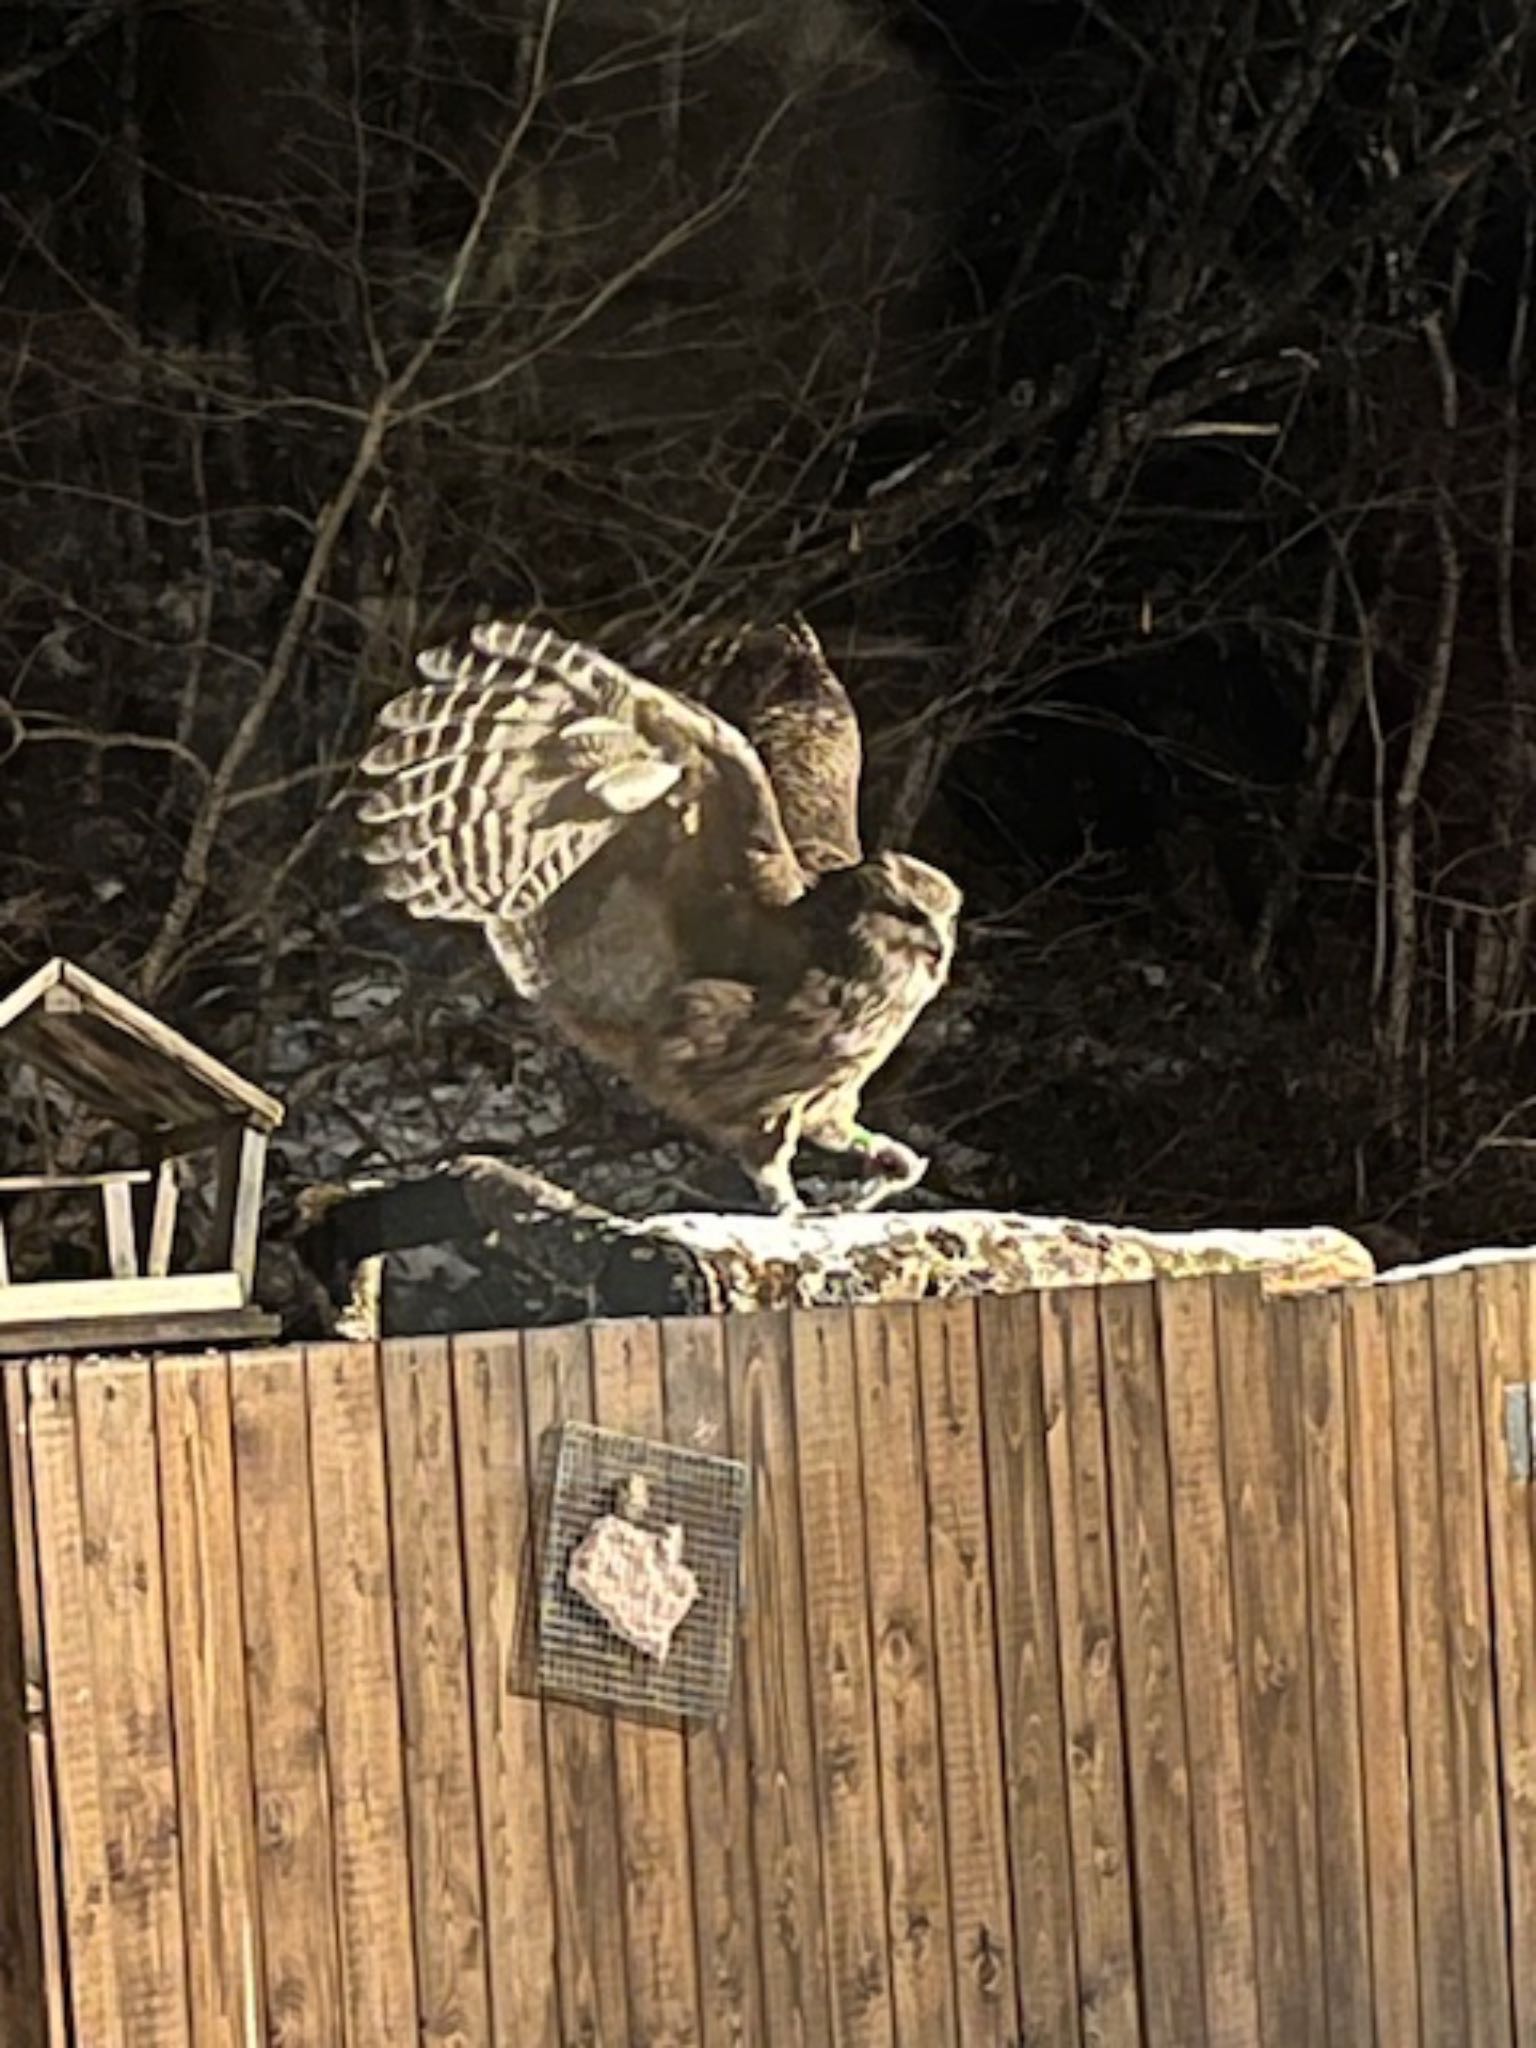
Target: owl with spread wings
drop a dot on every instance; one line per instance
(683, 896)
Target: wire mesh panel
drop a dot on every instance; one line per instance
(581, 1655)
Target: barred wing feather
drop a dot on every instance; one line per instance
(520, 755)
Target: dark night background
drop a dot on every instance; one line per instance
(1134, 393)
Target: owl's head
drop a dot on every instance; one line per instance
(911, 909)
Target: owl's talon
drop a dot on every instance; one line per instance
(894, 1168)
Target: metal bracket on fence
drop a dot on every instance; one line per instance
(1520, 1430)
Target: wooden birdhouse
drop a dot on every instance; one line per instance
(189, 1119)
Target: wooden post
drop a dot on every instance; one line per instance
(162, 1222)
(28, 1919)
(122, 1237)
(237, 1213)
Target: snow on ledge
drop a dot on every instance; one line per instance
(1456, 1262)
(858, 1255)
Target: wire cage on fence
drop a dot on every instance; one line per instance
(581, 1655)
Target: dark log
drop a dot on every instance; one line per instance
(606, 1264)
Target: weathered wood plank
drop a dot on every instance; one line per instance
(1436, 1865)
(63, 1183)
(207, 1664)
(786, 1833)
(1342, 1875)
(162, 1221)
(648, 1761)
(719, 1791)
(1506, 1330)
(1029, 1672)
(1467, 1634)
(497, 1480)
(583, 1798)
(362, 1702)
(121, 1228)
(1090, 1666)
(41, 1301)
(71, 1702)
(1261, 1429)
(442, 1797)
(905, 1675)
(1173, 2005)
(285, 1689)
(97, 1332)
(126, 1600)
(1382, 1686)
(1208, 1642)
(28, 1865)
(965, 1642)
(242, 1166)
(842, 1692)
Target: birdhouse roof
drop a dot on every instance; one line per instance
(120, 1060)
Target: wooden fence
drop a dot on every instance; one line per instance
(1143, 1666)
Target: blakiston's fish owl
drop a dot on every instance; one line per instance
(685, 898)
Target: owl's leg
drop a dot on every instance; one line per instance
(767, 1157)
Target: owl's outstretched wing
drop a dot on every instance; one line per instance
(776, 685)
(522, 754)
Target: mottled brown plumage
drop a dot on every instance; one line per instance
(684, 897)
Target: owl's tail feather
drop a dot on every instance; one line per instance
(501, 775)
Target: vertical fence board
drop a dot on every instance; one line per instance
(442, 1800)
(1173, 2002)
(1345, 1905)
(1261, 1429)
(842, 1696)
(648, 1761)
(1090, 1666)
(1506, 1320)
(207, 1666)
(719, 1795)
(1382, 1672)
(1029, 1672)
(786, 1837)
(126, 1601)
(362, 1702)
(496, 1474)
(285, 1690)
(583, 1801)
(43, 1867)
(981, 1907)
(1466, 1626)
(906, 1697)
(27, 1872)
(1208, 1645)
(71, 1698)
(1436, 1870)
